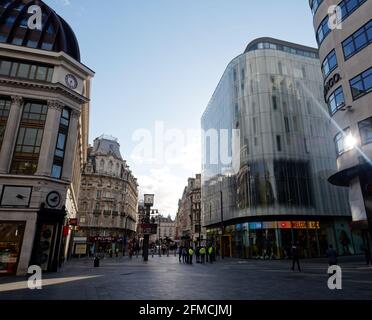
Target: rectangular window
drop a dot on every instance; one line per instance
(286, 123)
(341, 147)
(358, 40)
(59, 153)
(275, 103)
(365, 129)
(336, 101)
(30, 134)
(361, 84)
(329, 64)
(26, 70)
(279, 143)
(4, 114)
(323, 30)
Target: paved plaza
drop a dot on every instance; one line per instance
(164, 278)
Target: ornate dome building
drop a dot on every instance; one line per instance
(44, 117)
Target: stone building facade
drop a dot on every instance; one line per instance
(109, 198)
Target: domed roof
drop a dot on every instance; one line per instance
(55, 35)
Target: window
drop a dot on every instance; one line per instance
(340, 138)
(275, 102)
(59, 153)
(329, 64)
(365, 129)
(336, 101)
(278, 143)
(357, 41)
(27, 149)
(315, 4)
(4, 114)
(323, 30)
(286, 123)
(349, 6)
(26, 70)
(361, 84)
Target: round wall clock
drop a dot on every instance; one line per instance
(71, 81)
(53, 199)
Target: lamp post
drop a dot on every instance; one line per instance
(148, 202)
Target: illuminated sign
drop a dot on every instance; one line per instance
(285, 224)
(299, 225)
(313, 224)
(255, 225)
(269, 225)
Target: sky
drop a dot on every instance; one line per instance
(157, 64)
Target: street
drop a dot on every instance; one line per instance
(164, 278)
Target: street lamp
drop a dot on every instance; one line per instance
(148, 202)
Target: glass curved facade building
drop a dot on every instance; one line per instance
(267, 155)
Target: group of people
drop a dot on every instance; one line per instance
(203, 254)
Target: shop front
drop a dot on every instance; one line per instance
(274, 239)
(11, 239)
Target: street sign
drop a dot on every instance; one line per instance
(149, 228)
(73, 222)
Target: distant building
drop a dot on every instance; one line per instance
(188, 220)
(166, 229)
(108, 198)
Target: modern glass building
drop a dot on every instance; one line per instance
(345, 54)
(267, 155)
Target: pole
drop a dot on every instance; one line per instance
(222, 225)
(146, 237)
(159, 238)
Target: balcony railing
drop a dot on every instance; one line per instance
(107, 212)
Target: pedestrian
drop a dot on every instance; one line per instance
(210, 254)
(295, 257)
(332, 256)
(191, 253)
(117, 252)
(184, 255)
(180, 253)
(197, 254)
(202, 254)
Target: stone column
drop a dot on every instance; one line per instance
(10, 135)
(72, 141)
(50, 135)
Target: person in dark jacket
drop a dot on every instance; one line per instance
(295, 257)
(332, 256)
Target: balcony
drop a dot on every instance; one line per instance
(97, 212)
(115, 213)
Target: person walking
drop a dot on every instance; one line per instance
(210, 254)
(202, 255)
(197, 254)
(191, 253)
(295, 257)
(332, 256)
(180, 249)
(184, 255)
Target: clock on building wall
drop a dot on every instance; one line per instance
(71, 81)
(53, 199)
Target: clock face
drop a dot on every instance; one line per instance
(149, 199)
(71, 81)
(53, 199)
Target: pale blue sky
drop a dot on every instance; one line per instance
(162, 59)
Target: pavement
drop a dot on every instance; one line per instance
(164, 278)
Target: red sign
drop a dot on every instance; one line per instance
(102, 239)
(149, 228)
(73, 222)
(66, 230)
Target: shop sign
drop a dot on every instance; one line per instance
(255, 225)
(313, 224)
(331, 83)
(269, 225)
(73, 222)
(81, 248)
(238, 227)
(80, 239)
(149, 228)
(299, 224)
(285, 224)
(102, 239)
(245, 226)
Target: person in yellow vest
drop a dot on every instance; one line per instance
(202, 254)
(210, 253)
(191, 253)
